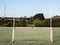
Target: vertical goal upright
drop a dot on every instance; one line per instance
(4, 8)
(51, 31)
(13, 29)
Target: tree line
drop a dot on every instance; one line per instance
(38, 20)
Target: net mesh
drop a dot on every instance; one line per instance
(35, 34)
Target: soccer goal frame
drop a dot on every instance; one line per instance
(51, 31)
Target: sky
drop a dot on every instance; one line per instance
(21, 8)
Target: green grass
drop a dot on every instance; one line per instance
(16, 43)
(32, 34)
(5, 33)
(56, 34)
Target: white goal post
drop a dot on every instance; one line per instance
(51, 31)
(51, 34)
(13, 29)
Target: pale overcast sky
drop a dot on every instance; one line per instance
(19, 8)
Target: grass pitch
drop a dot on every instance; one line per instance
(6, 35)
(56, 34)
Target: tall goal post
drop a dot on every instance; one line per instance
(13, 29)
(51, 31)
(4, 8)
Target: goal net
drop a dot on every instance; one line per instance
(29, 34)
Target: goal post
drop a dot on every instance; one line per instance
(4, 8)
(51, 31)
(51, 34)
(13, 29)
